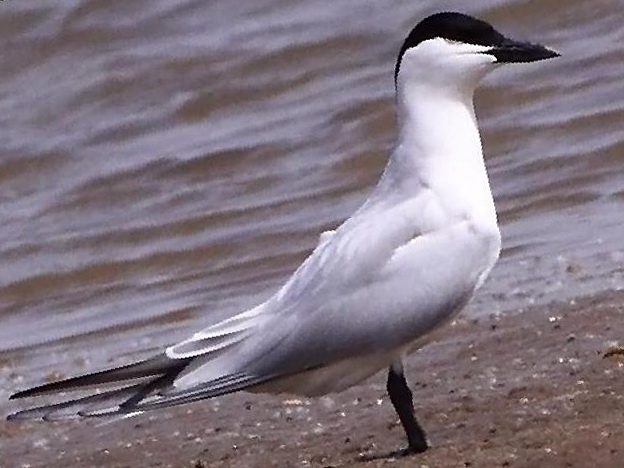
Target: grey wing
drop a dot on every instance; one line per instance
(151, 384)
(326, 312)
(333, 320)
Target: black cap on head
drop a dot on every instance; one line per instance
(453, 26)
(464, 28)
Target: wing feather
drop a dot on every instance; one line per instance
(156, 366)
(217, 337)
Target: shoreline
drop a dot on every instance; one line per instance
(540, 388)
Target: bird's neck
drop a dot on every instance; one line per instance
(435, 123)
(439, 148)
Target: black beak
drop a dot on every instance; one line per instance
(510, 51)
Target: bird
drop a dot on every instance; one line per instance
(374, 289)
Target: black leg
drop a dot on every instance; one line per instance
(401, 398)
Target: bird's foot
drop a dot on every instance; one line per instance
(413, 449)
(399, 453)
(416, 446)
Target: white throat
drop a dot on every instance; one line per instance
(439, 149)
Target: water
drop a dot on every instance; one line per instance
(167, 163)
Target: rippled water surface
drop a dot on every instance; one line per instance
(166, 163)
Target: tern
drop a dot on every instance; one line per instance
(372, 291)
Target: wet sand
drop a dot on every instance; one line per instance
(538, 388)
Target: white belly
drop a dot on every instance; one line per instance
(333, 378)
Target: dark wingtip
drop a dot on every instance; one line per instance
(159, 365)
(28, 392)
(17, 395)
(31, 392)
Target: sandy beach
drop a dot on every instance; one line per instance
(538, 388)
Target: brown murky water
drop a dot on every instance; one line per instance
(166, 163)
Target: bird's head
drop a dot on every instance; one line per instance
(454, 51)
